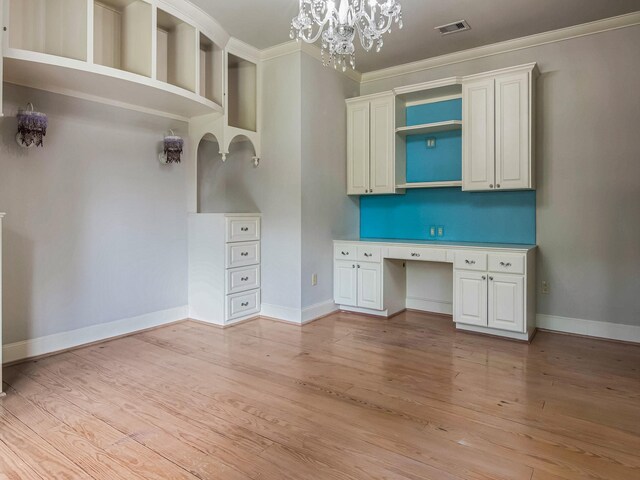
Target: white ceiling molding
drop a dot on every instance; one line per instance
(292, 46)
(553, 36)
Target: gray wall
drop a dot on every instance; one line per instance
(96, 227)
(588, 170)
(327, 213)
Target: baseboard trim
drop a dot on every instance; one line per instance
(589, 328)
(298, 316)
(36, 347)
(319, 310)
(429, 306)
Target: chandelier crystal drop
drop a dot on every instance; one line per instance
(336, 26)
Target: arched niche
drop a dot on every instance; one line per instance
(227, 186)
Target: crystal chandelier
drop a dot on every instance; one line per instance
(337, 26)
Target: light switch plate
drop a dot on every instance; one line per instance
(432, 231)
(440, 231)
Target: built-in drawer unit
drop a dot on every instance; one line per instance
(507, 263)
(243, 279)
(423, 254)
(224, 267)
(468, 260)
(369, 253)
(243, 304)
(243, 229)
(345, 251)
(243, 254)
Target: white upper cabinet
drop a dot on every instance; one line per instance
(498, 130)
(513, 132)
(370, 145)
(358, 148)
(478, 134)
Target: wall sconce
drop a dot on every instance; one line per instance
(173, 146)
(32, 127)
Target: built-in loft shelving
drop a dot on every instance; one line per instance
(243, 90)
(427, 128)
(131, 53)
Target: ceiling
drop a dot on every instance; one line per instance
(265, 23)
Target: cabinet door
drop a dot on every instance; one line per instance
(358, 148)
(382, 176)
(345, 284)
(478, 135)
(506, 302)
(370, 285)
(470, 298)
(513, 131)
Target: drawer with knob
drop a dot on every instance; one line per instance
(243, 229)
(243, 279)
(470, 261)
(423, 254)
(345, 251)
(243, 254)
(243, 304)
(502, 263)
(369, 254)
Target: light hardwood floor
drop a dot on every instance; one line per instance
(346, 397)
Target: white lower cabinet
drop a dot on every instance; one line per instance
(345, 283)
(490, 298)
(358, 284)
(369, 285)
(470, 299)
(506, 302)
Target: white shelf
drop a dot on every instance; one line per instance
(447, 126)
(242, 83)
(100, 83)
(452, 183)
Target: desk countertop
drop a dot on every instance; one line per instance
(438, 243)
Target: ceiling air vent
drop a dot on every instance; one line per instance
(459, 26)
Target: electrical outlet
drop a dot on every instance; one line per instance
(440, 231)
(431, 143)
(546, 288)
(432, 231)
(314, 279)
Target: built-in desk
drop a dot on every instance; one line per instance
(493, 287)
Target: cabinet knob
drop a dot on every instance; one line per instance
(415, 255)
(484, 277)
(368, 255)
(491, 186)
(498, 186)
(245, 279)
(507, 265)
(245, 229)
(491, 278)
(470, 262)
(358, 266)
(245, 304)
(345, 253)
(353, 266)
(245, 254)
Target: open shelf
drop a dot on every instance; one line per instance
(122, 35)
(176, 62)
(453, 183)
(211, 61)
(430, 128)
(54, 27)
(98, 83)
(242, 82)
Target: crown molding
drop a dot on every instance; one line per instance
(244, 50)
(599, 26)
(312, 50)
